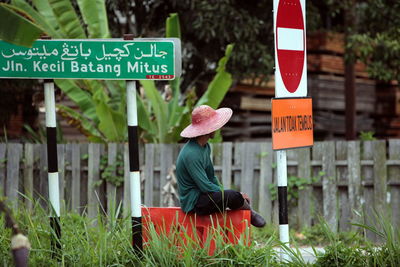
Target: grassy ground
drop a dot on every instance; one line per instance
(105, 241)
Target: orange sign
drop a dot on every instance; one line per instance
(292, 123)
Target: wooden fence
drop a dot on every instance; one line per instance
(343, 177)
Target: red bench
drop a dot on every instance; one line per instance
(230, 225)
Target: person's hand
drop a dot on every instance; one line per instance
(246, 197)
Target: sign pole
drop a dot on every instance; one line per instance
(52, 164)
(54, 194)
(134, 171)
(290, 82)
(282, 199)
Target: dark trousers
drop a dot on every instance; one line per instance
(209, 203)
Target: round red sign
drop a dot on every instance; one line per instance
(290, 43)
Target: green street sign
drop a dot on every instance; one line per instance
(110, 59)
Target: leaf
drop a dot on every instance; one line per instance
(144, 118)
(16, 29)
(95, 16)
(84, 123)
(173, 30)
(67, 19)
(82, 98)
(220, 85)
(159, 108)
(111, 123)
(44, 8)
(38, 18)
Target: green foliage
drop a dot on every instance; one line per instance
(367, 136)
(112, 173)
(102, 115)
(294, 185)
(102, 105)
(39, 136)
(19, 30)
(165, 117)
(340, 254)
(109, 244)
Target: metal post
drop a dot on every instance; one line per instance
(282, 199)
(134, 171)
(54, 194)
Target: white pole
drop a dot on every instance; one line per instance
(52, 165)
(282, 198)
(134, 171)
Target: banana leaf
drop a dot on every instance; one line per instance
(112, 124)
(38, 18)
(159, 107)
(144, 120)
(44, 8)
(85, 124)
(82, 98)
(67, 19)
(95, 16)
(15, 28)
(173, 30)
(220, 85)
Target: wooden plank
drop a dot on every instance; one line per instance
(329, 187)
(61, 171)
(237, 158)
(28, 175)
(247, 166)
(14, 153)
(111, 190)
(84, 173)
(265, 202)
(3, 162)
(367, 174)
(216, 159)
(227, 165)
(354, 188)
(43, 178)
(75, 176)
(252, 103)
(394, 174)
(166, 153)
(121, 173)
(304, 171)
(149, 175)
(93, 178)
(68, 176)
(317, 193)
(37, 151)
(342, 178)
(156, 176)
(127, 190)
(380, 176)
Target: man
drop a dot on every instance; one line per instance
(199, 190)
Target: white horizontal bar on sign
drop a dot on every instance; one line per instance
(290, 39)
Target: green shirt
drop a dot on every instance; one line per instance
(195, 174)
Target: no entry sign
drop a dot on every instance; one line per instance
(290, 48)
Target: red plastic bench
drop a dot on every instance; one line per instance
(230, 225)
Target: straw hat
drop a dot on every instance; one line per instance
(206, 120)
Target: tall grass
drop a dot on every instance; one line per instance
(364, 252)
(106, 241)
